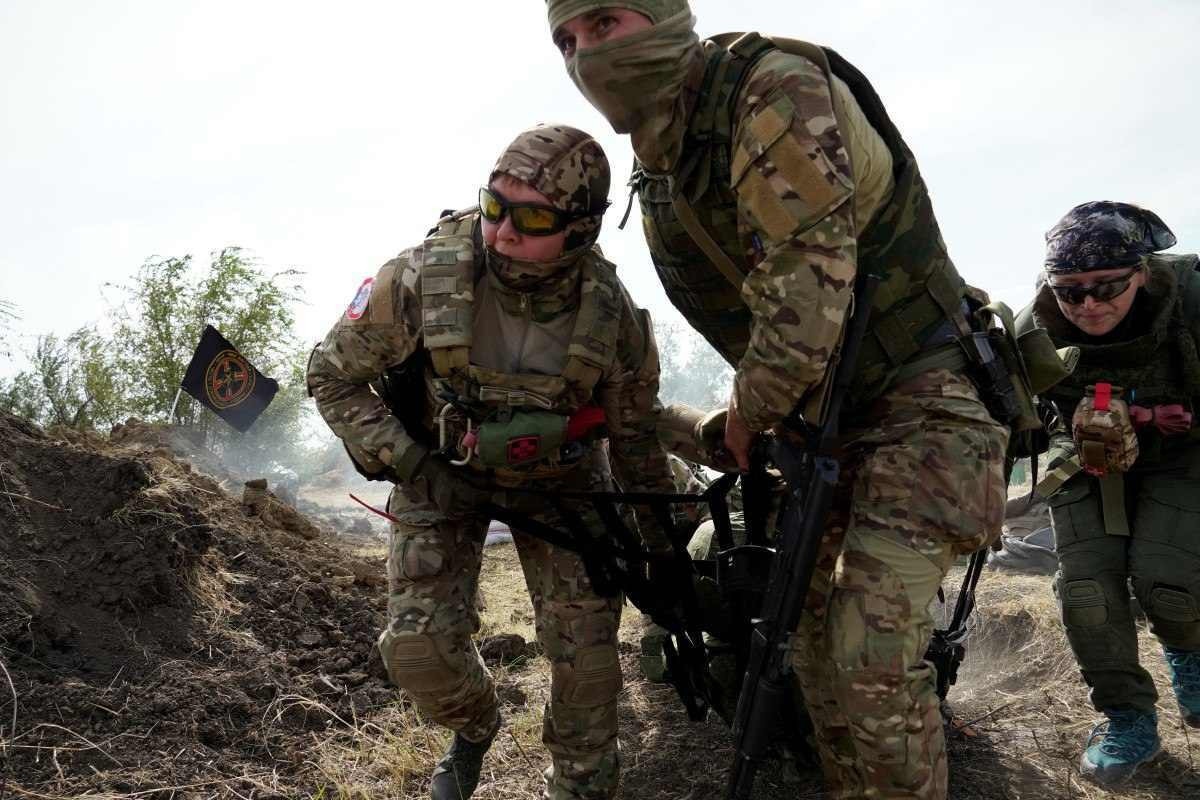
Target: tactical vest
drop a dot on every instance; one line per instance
(451, 262)
(921, 289)
(1159, 366)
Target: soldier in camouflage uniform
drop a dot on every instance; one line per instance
(1126, 512)
(509, 310)
(770, 176)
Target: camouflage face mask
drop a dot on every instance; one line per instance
(638, 84)
(543, 289)
(529, 276)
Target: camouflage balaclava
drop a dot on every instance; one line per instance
(639, 82)
(570, 168)
(1102, 235)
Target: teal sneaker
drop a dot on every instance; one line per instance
(1119, 745)
(1185, 680)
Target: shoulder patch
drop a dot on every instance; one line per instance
(358, 306)
(784, 173)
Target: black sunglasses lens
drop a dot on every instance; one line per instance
(1103, 292)
(1071, 295)
(1111, 290)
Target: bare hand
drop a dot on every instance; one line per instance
(738, 438)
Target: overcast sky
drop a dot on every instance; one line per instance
(328, 136)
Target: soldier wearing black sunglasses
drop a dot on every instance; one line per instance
(1134, 313)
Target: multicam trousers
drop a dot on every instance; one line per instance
(922, 484)
(1160, 559)
(433, 574)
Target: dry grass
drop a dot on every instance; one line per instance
(390, 751)
(1020, 681)
(1020, 673)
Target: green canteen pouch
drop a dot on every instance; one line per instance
(1045, 364)
(524, 437)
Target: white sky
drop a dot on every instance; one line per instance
(328, 136)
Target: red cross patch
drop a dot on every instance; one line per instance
(523, 448)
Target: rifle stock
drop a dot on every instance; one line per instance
(811, 475)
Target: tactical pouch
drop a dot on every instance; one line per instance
(522, 437)
(1103, 431)
(1045, 364)
(1001, 366)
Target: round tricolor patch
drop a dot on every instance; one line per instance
(358, 306)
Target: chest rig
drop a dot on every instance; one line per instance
(1159, 365)
(702, 251)
(520, 419)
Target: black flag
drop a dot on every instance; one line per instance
(221, 378)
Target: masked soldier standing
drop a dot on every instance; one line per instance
(1125, 465)
(769, 176)
(509, 312)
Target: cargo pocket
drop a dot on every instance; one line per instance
(1075, 513)
(1168, 512)
(421, 547)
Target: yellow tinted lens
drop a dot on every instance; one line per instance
(534, 220)
(489, 206)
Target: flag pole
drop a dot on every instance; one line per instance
(174, 403)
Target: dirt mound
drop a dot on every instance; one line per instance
(1021, 689)
(158, 635)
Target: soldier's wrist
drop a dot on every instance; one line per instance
(407, 463)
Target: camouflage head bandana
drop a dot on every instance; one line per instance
(1102, 235)
(570, 168)
(639, 83)
(559, 11)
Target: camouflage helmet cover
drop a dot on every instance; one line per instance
(1103, 234)
(559, 11)
(569, 167)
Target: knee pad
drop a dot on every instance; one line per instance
(591, 679)
(1164, 603)
(416, 664)
(1084, 603)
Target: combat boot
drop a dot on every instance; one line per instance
(457, 774)
(1119, 745)
(1185, 680)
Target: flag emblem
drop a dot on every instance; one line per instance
(358, 306)
(222, 379)
(229, 379)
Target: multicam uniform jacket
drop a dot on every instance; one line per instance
(391, 325)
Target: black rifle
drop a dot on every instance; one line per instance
(948, 647)
(811, 474)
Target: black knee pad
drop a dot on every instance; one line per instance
(1165, 603)
(1084, 602)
